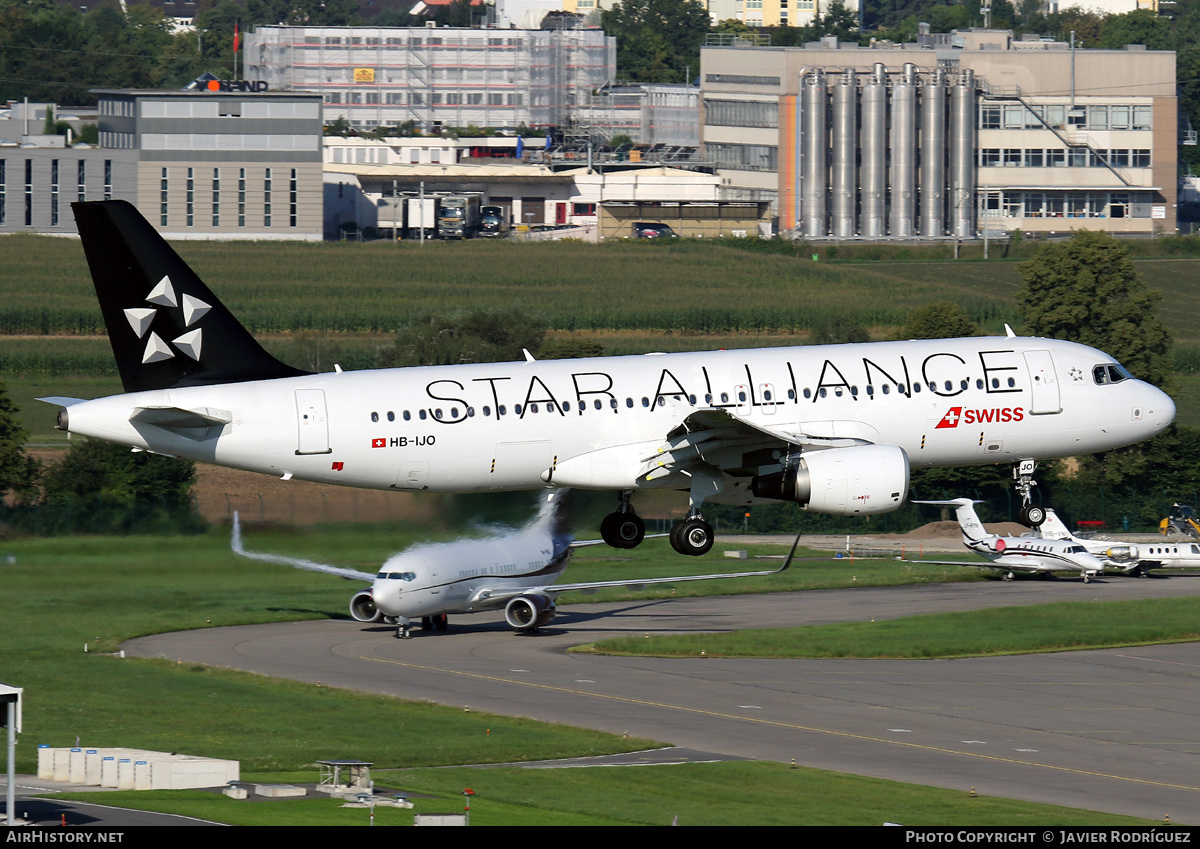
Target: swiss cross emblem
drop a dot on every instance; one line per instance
(951, 419)
(378, 443)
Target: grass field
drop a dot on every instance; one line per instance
(1010, 630)
(716, 794)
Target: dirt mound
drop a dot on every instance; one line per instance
(938, 530)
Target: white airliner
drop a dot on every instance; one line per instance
(1134, 559)
(834, 428)
(516, 571)
(1017, 554)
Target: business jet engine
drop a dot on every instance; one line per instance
(529, 612)
(852, 481)
(1122, 553)
(363, 609)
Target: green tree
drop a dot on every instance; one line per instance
(101, 487)
(1086, 290)
(116, 475)
(476, 336)
(18, 472)
(938, 320)
(657, 40)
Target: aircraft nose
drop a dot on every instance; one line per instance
(1159, 409)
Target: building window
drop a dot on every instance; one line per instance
(292, 200)
(267, 198)
(82, 182)
(163, 195)
(108, 179)
(241, 197)
(583, 209)
(191, 197)
(216, 203)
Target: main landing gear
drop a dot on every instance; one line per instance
(1031, 514)
(624, 528)
(693, 536)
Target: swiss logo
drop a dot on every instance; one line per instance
(951, 419)
(379, 443)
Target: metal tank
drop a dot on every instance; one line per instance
(873, 144)
(844, 183)
(933, 155)
(814, 148)
(904, 153)
(962, 153)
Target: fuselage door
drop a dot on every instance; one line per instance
(312, 422)
(1045, 400)
(766, 397)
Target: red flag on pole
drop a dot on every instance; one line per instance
(236, 37)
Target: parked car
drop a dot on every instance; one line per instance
(653, 230)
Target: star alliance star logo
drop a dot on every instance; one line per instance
(1076, 374)
(140, 319)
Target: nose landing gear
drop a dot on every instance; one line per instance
(1031, 514)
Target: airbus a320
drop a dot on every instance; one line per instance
(833, 428)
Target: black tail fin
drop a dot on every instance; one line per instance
(166, 328)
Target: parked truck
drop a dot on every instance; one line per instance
(493, 222)
(421, 213)
(458, 215)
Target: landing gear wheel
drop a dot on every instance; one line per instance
(426, 623)
(441, 622)
(1033, 515)
(623, 530)
(402, 633)
(692, 537)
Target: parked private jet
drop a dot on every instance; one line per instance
(1134, 559)
(515, 570)
(834, 428)
(1017, 554)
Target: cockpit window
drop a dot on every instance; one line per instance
(1109, 373)
(396, 576)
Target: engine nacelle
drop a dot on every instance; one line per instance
(1122, 553)
(363, 609)
(853, 481)
(527, 612)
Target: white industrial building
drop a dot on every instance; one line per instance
(363, 175)
(197, 164)
(436, 77)
(978, 131)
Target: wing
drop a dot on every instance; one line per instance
(308, 565)
(560, 588)
(714, 437)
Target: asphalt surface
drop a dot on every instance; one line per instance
(1113, 730)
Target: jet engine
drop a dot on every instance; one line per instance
(1122, 553)
(529, 612)
(363, 609)
(851, 481)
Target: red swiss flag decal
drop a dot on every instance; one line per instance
(378, 443)
(951, 419)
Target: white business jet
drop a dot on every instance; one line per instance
(1133, 559)
(515, 570)
(834, 428)
(1017, 554)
